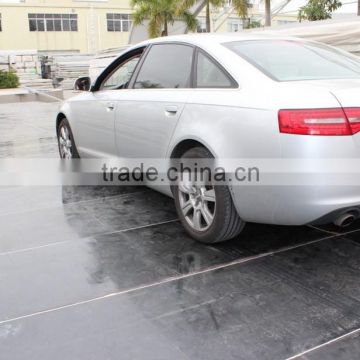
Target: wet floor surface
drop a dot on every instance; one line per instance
(109, 273)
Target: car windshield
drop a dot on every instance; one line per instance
(289, 60)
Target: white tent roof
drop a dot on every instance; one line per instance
(344, 33)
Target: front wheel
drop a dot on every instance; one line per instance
(66, 143)
(206, 210)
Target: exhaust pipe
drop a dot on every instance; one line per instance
(345, 220)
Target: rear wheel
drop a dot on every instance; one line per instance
(66, 143)
(206, 210)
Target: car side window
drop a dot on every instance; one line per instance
(210, 75)
(121, 76)
(166, 66)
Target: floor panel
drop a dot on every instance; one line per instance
(89, 273)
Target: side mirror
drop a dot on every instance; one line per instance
(82, 84)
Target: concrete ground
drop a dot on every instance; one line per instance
(108, 273)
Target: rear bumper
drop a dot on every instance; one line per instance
(316, 196)
(294, 205)
(334, 215)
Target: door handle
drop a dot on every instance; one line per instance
(171, 110)
(110, 106)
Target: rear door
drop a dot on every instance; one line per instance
(150, 108)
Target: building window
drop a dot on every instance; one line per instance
(118, 22)
(201, 28)
(235, 25)
(53, 22)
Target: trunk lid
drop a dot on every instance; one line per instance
(348, 97)
(346, 91)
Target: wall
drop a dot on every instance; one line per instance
(92, 34)
(92, 31)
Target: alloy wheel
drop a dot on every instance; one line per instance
(198, 204)
(65, 143)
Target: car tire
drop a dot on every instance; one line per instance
(226, 223)
(66, 142)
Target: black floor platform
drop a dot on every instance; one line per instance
(108, 273)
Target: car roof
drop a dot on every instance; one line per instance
(210, 38)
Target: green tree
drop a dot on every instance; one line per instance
(160, 14)
(318, 10)
(240, 6)
(253, 24)
(8, 80)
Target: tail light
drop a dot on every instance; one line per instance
(353, 116)
(325, 122)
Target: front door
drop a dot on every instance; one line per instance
(96, 131)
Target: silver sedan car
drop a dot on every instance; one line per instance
(226, 97)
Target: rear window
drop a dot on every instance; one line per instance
(287, 60)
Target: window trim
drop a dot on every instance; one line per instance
(116, 64)
(116, 69)
(136, 73)
(145, 51)
(139, 67)
(233, 82)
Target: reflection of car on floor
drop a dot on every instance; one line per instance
(221, 96)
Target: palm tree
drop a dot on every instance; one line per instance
(268, 12)
(160, 14)
(240, 6)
